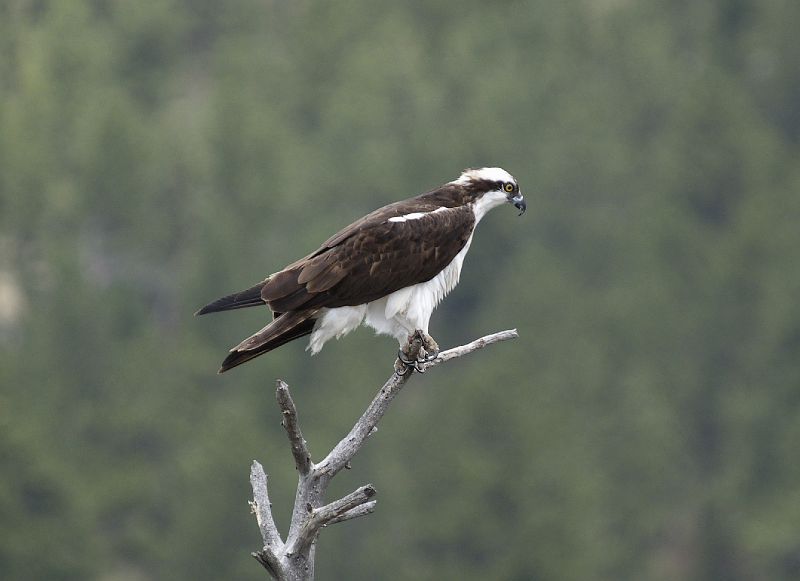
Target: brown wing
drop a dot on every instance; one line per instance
(372, 258)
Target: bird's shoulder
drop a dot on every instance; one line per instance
(380, 217)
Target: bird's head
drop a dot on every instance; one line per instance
(488, 187)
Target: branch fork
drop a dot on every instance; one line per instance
(293, 559)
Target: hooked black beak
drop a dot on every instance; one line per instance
(519, 203)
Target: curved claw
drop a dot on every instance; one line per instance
(402, 357)
(405, 364)
(419, 366)
(431, 356)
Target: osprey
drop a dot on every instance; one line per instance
(388, 270)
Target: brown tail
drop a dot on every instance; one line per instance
(287, 327)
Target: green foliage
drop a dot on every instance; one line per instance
(156, 155)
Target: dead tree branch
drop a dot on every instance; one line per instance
(293, 560)
(302, 457)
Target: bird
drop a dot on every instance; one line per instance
(388, 270)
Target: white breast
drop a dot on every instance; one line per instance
(410, 308)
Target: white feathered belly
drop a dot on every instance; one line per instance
(397, 314)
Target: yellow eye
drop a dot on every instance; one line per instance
(509, 187)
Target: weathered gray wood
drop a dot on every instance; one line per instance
(302, 457)
(294, 559)
(261, 506)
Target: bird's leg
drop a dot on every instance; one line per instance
(408, 356)
(419, 350)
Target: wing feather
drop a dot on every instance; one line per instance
(372, 258)
(280, 284)
(326, 279)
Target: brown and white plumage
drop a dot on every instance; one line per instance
(388, 270)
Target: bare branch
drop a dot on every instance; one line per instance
(325, 514)
(322, 516)
(349, 446)
(267, 560)
(362, 510)
(294, 559)
(302, 457)
(273, 544)
(474, 346)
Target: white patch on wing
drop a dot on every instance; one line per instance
(416, 215)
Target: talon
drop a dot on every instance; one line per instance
(419, 366)
(401, 355)
(431, 356)
(402, 370)
(403, 364)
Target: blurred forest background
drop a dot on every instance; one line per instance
(155, 155)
